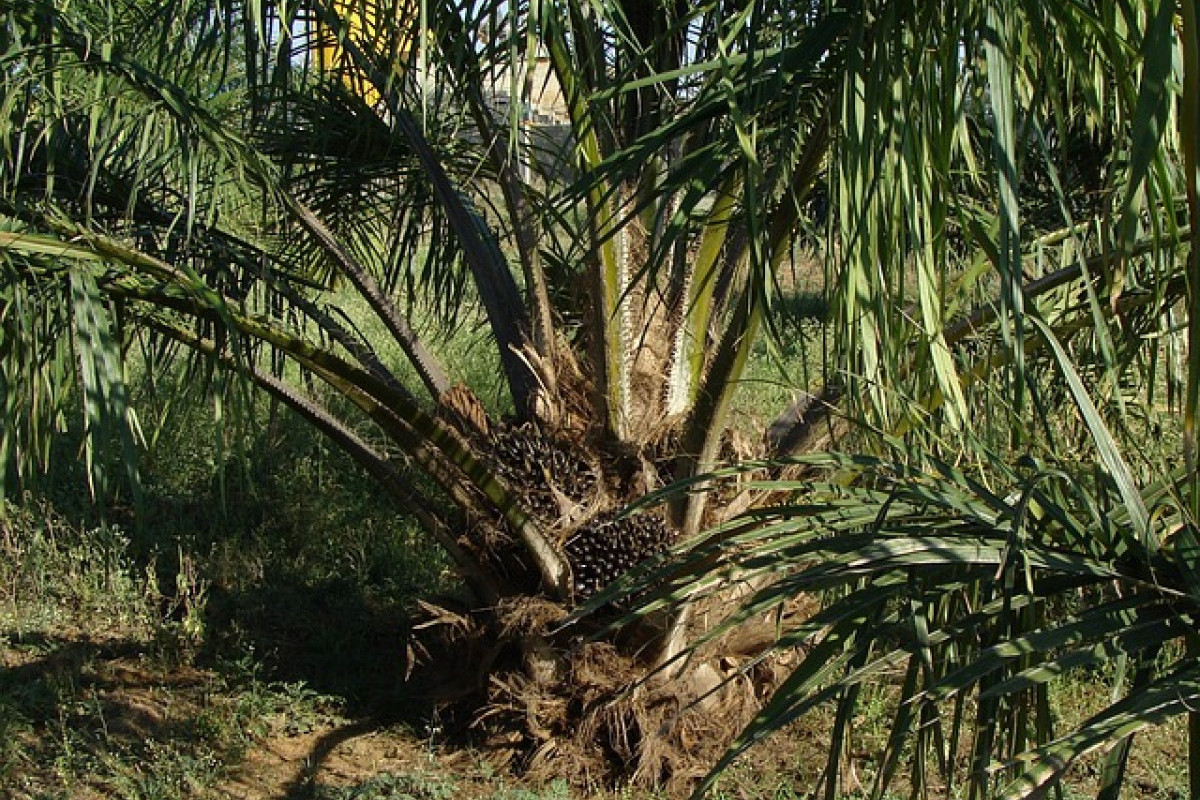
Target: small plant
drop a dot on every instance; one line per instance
(554, 790)
(180, 628)
(54, 572)
(400, 786)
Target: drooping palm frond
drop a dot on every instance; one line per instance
(128, 200)
(951, 158)
(969, 595)
(961, 593)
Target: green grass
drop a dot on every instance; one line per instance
(98, 695)
(54, 575)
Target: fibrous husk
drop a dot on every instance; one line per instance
(552, 706)
(591, 712)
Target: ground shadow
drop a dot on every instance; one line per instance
(798, 307)
(303, 786)
(95, 694)
(331, 637)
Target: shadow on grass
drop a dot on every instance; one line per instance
(42, 672)
(800, 306)
(329, 637)
(303, 786)
(77, 711)
(80, 713)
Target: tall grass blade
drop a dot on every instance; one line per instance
(997, 47)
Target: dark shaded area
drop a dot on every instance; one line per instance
(84, 698)
(798, 307)
(331, 637)
(300, 571)
(57, 667)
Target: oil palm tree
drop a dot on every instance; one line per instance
(277, 189)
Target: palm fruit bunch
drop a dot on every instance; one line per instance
(538, 467)
(608, 546)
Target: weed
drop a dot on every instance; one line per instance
(404, 786)
(56, 574)
(181, 629)
(14, 727)
(555, 790)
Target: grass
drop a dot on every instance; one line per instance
(93, 699)
(111, 688)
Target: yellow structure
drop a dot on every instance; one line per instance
(378, 28)
(383, 29)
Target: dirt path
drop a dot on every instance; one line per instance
(334, 755)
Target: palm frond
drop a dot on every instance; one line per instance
(920, 541)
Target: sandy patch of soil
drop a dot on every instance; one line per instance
(334, 754)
